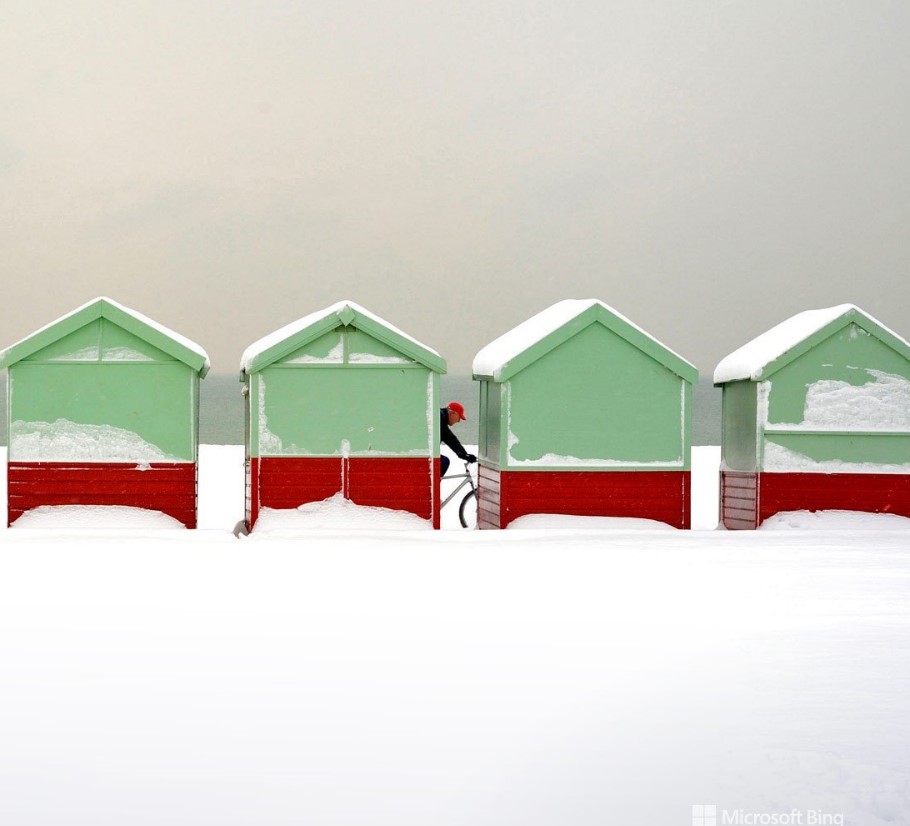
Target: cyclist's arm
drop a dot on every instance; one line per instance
(452, 442)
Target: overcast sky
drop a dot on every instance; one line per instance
(706, 168)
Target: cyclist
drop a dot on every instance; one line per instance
(449, 416)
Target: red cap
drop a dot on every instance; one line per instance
(456, 406)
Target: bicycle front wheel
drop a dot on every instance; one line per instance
(467, 511)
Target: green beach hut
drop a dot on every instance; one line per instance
(103, 410)
(342, 402)
(583, 413)
(816, 416)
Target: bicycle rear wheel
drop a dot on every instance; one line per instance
(467, 514)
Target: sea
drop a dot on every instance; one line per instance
(221, 409)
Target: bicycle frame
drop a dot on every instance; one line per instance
(466, 479)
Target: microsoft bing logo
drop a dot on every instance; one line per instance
(704, 815)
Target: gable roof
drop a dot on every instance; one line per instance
(297, 334)
(532, 339)
(777, 347)
(166, 340)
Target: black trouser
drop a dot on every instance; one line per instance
(443, 464)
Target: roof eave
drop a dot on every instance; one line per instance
(102, 308)
(345, 316)
(598, 313)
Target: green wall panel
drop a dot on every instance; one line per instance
(322, 411)
(359, 346)
(118, 344)
(846, 357)
(856, 448)
(155, 401)
(81, 345)
(596, 397)
(99, 340)
(346, 345)
(327, 348)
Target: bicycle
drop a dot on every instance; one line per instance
(466, 479)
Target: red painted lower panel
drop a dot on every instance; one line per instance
(504, 496)
(169, 488)
(408, 484)
(867, 492)
(748, 499)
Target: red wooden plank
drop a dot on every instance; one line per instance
(400, 483)
(166, 487)
(76, 476)
(98, 485)
(866, 492)
(659, 495)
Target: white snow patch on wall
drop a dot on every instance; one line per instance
(882, 404)
(124, 354)
(762, 399)
(371, 358)
(93, 353)
(268, 441)
(85, 354)
(334, 356)
(779, 459)
(66, 441)
(555, 460)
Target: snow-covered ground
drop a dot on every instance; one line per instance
(578, 674)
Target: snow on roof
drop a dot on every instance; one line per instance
(182, 340)
(748, 362)
(498, 353)
(283, 333)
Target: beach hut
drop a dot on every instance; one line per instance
(816, 416)
(583, 413)
(103, 409)
(340, 402)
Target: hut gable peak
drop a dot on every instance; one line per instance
(532, 339)
(775, 348)
(152, 332)
(292, 337)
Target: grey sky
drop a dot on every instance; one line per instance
(707, 168)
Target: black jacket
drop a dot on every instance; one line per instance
(447, 436)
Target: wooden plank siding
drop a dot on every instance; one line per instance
(738, 500)
(504, 496)
(166, 487)
(488, 487)
(865, 492)
(748, 499)
(407, 484)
